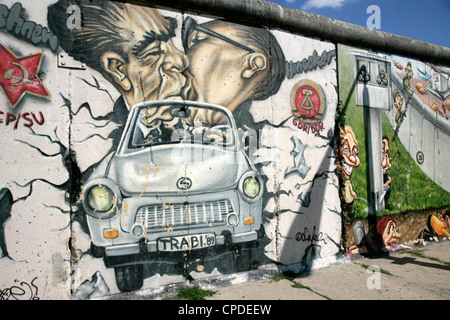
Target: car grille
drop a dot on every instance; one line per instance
(174, 215)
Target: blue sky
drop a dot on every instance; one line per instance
(422, 20)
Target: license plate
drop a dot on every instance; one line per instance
(189, 242)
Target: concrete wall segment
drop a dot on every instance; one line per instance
(290, 194)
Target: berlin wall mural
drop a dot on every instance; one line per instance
(394, 131)
(142, 147)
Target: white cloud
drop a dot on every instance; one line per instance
(318, 4)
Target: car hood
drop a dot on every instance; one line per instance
(157, 170)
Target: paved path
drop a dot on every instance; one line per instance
(419, 274)
(407, 275)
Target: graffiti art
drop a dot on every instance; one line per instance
(142, 147)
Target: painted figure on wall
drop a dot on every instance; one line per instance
(439, 227)
(388, 231)
(138, 58)
(407, 78)
(216, 47)
(386, 163)
(386, 237)
(230, 64)
(347, 161)
(400, 114)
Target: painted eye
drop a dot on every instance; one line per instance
(346, 151)
(154, 50)
(391, 229)
(200, 36)
(196, 37)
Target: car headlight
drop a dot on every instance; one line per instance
(250, 186)
(101, 198)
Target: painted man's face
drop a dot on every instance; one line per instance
(409, 71)
(349, 155)
(386, 159)
(216, 65)
(398, 102)
(391, 234)
(155, 66)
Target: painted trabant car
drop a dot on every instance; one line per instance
(180, 180)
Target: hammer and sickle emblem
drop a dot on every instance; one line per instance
(8, 75)
(307, 103)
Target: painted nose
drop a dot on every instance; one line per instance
(353, 159)
(175, 60)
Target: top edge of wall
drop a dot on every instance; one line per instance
(268, 14)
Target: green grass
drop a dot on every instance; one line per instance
(193, 293)
(281, 276)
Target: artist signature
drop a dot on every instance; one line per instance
(24, 291)
(306, 236)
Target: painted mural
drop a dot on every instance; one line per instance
(393, 130)
(143, 147)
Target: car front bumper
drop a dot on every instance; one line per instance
(152, 246)
(127, 243)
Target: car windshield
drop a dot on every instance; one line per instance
(158, 125)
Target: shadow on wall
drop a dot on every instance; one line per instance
(6, 201)
(310, 231)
